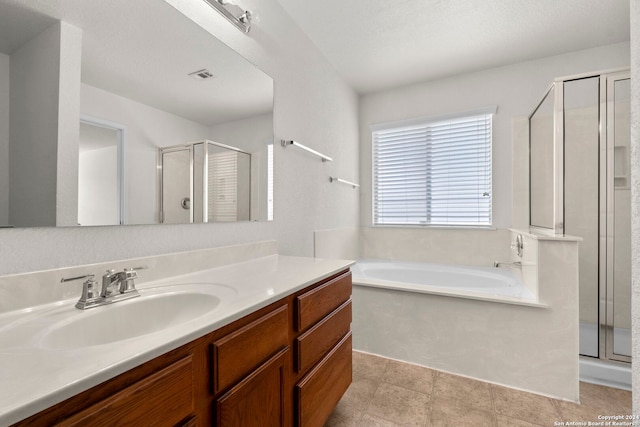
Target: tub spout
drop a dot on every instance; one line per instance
(497, 264)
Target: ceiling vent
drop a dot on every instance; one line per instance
(203, 74)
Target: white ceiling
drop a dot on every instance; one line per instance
(380, 44)
(373, 44)
(144, 50)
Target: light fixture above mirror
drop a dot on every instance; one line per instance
(235, 14)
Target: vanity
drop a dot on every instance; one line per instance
(275, 349)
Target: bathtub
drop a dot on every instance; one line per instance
(483, 283)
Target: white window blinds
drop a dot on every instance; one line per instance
(435, 173)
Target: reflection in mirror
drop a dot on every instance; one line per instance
(175, 185)
(100, 173)
(206, 181)
(164, 87)
(541, 167)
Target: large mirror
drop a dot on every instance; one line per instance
(92, 91)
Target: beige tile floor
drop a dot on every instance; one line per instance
(388, 393)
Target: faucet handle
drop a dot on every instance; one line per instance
(130, 274)
(89, 295)
(86, 276)
(132, 270)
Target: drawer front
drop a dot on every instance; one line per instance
(164, 398)
(317, 341)
(238, 353)
(317, 303)
(319, 391)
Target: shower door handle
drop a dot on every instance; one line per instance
(186, 203)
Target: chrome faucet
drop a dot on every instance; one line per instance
(116, 286)
(497, 264)
(109, 281)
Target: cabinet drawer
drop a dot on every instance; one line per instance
(164, 399)
(317, 303)
(321, 389)
(317, 341)
(238, 353)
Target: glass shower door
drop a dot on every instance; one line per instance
(591, 136)
(581, 196)
(541, 151)
(618, 301)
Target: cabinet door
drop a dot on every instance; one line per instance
(242, 351)
(258, 400)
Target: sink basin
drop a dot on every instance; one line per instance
(157, 309)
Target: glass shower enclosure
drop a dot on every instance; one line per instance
(204, 181)
(579, 138)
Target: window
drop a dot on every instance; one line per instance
(433, 173)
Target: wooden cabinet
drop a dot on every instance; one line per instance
(322, 350)
(259, 399)
(316, 303)
(239, 352)
(165, 397)
(285, 364)
(255, 355)
(319, 391)
(322, 337)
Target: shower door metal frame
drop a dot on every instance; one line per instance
(558, 161)
(607, 210)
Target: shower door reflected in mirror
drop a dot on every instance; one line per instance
(222, 183)
(176, 186)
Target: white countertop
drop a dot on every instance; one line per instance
(34, 377)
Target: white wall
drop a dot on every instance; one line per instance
(43, 133)
(635, 198)
(515, 89)
(98, 190)
(4, 139)
(312, 105)
(68, 125)
(253, 132)
(480, 247)
(35, 76)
